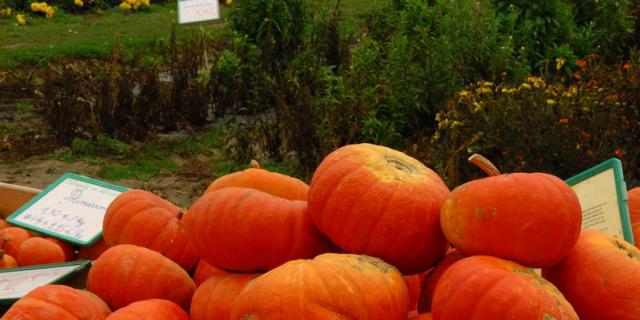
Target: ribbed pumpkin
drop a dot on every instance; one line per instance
(247, 230)
(216, 296)
(530, 218)
(331, 286)
(142, 218)
(485, 287)
(38, 250)
(11, 239)
(634, 213)
(127, 273)
(600, 277)
(58, 302)
(156, 309)
(432, 278)
(374, 200)
(277, 184)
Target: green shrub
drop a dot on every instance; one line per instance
(561, 127)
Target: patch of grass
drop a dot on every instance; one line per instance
(22, 106)
(89, 35)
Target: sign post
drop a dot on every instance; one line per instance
(603, 197)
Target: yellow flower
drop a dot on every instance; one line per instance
(525, 86)
(35, 6)
(483, 90)
(228, 2)
(508, 90)
(146, 3)
(559, 63)
(463, 93)
(536, 81)
(477, 106)
(551, 102)
(125, 6)
(78, 3)
(21, 20)
(48, 12)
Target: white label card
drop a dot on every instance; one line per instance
(190, 11)
(16, 283)
(72, 209)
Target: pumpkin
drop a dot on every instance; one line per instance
(277, 184)
(247, 230)
(373, 200)
(486, 287)
(4, 224)
(38, 250)
(530, 218)
(414, 284)
(12, 238)
(128, 273)
(57, 302)
(634, 213)
(216, 296)
(141, 218)
(600, 276)
(203, 271)
(7, 261)
(93, 251)
(432, 278)
(330, 286)
(421, 316)
(156, 309)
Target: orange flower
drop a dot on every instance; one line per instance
(581, 63)
(563, 121)
(626, 66)
(618, 153)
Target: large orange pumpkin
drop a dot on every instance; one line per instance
(247, 230)
(600, 277)
(485, 287)
(331, 286)
(531, 218)
(156, 309)
(140, 217)
(127, 273)
(277, 184)
(38, 250)
(374, 200)
(216, 296)
(57, 302)
(634, 213)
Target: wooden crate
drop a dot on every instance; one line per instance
(13, 197)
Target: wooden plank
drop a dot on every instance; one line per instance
(13, 197)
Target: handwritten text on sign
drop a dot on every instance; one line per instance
(197, 10)
(72, 209)
(16, 284)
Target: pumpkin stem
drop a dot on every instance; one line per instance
(484, 164)
(255, 164)
(180, 214)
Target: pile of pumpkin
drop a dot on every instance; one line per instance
(375, 235)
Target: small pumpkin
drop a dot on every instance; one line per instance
(56, 302)
(12, 238)
(128, 273)
(156, 309)
(330, 286)
(248, 230)
(486, 287)
(634, 213)
(370, 199)
(7, 261)
(600, 276)
(277, 184)
(142, 218)
(216, 296)
(38, 250)
(530, 218)
(431, 279)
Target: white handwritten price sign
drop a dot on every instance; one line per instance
(603, 197)
(17, 282)
(72, 208)
(190, 11)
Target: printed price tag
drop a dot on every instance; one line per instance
(603, 197)
(72, 209)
